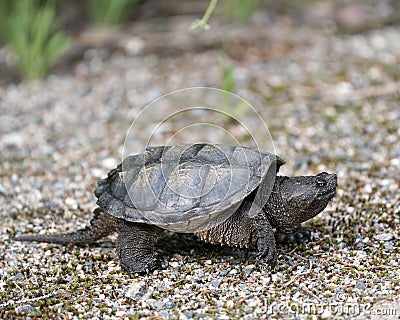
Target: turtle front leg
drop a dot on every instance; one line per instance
(137, 246)
(297, 235)
(265, 239)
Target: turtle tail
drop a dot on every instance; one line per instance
(101, 225)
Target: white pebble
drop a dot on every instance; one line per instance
(109, 163)
(13, 139)
(384, 236)
(96, 172)
(395, 162)
(134, 45)
(326, 314)
(120, 313)
(70, 202)
(368, 188)
(230, 304)
(365, 240)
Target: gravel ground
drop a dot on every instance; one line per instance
(331, 102)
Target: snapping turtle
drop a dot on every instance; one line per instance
(228, 195)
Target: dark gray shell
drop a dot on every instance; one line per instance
(185, 188)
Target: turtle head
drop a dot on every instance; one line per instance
(301, 198)
(308, 195)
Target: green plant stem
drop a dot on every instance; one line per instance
(202, 23)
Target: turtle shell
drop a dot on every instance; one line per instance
(185, 188)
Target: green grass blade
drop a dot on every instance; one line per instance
(32, 32)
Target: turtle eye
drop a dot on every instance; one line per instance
(321, 182)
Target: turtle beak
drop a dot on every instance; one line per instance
(332, 182)
(331, 185)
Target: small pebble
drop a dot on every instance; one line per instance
(326, 314)
(138, 290)
(216, 283)
(384, 236)
(360, 285)
(223, 272)
(120, 313)
(18, 276)
(109, 163)
(159, 304)
(164, 314)
(70, 278)
(70, 202)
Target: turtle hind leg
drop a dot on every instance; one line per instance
(137, 246)
(101, 225)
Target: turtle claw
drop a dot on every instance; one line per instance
(145, 265)
(269, 255)
(271, 260)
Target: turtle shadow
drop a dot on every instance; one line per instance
(186, 244)
(189, 245)
(172, 243)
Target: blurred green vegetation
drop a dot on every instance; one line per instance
(31, 31)
(233, 9)
(110, 12)
(240, 10)
(227, 83)
(227, 79)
